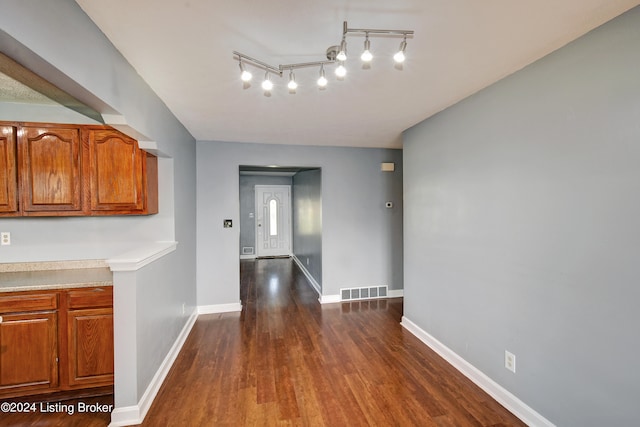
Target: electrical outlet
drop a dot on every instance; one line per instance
(5, 238)
(510, 361)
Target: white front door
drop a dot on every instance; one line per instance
(273, 225)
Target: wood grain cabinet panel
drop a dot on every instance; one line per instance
(8, 171)
(118, 167)
(28, 353)
(74, 170)
(89, 337)
(56, 341)
(50, 164)
(90, 340)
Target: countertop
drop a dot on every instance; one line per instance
(55, 279)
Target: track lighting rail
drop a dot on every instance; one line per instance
(346, 30)
(334, 54)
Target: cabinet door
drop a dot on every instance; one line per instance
(50, 164)
(29, 354)
(117, 173)
(8, 171)
(90, 341)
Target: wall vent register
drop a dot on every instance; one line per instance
(371, 292)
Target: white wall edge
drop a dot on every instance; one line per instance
(247, 257)
(395, 293)
(131, 415)
(516, 406)
(139, 257)
(219, 308)
(119, 122)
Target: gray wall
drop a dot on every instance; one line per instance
(522, 229)
(248, 205)
(58, 41)
(359, 234)
(307, 221)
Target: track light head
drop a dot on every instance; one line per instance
(341, 71)
(292, 85)
(342, 53)
(366, 55)
(245, 75)
(267, 84)
(322, 80)
(399, 56)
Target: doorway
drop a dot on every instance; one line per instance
(273, 220)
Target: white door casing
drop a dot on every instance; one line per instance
(273, 220)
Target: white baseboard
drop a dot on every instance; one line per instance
(219, 308)
(132, 415)
(329, 299)
(521, 410)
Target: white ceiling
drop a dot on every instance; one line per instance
(183, 49)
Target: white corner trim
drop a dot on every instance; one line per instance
(315, 285)
(395, 293)
(219, 308)
(521, 410)
(139, 257)
(132, 415)
(147, 145)
(114, 119)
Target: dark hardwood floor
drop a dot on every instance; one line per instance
(288, 361)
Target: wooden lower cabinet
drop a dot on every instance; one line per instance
(28, 352)
(55, 341)
(90, 337)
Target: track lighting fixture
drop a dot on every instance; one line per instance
(366, 54)
(292, 85)
(399, 56)
(341, 71)
(245, 75)
(334, 54)
(342, 54)
(322, 80)
(267, 84)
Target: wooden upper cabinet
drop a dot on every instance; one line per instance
(8, 171)
(50, 165)
(118, 169)
(74, 170)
